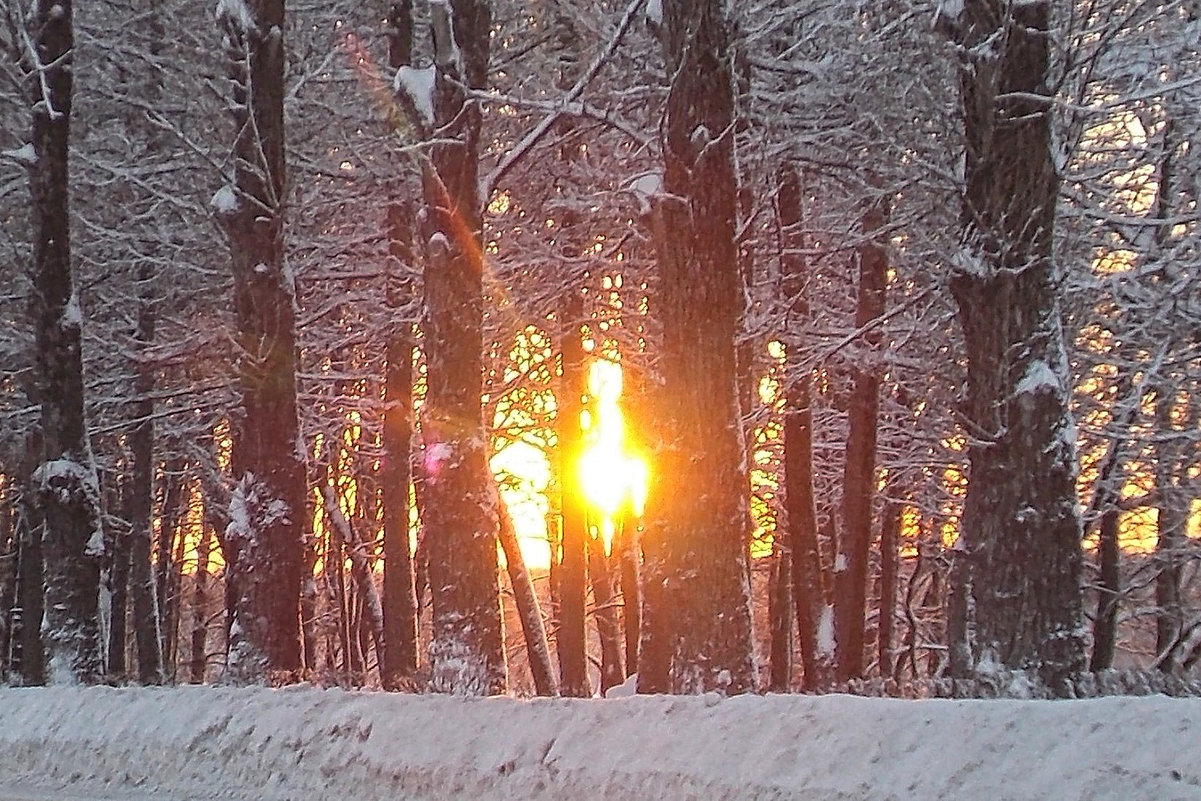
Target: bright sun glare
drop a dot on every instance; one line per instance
(613, 480)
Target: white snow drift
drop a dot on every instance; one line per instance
(305, 743)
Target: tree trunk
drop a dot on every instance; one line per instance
(119, 564)
(1020, 530)
(604, 610)
(536, 645)
(573, 572)
(1106, 498)
(810, 583)
(67, 489)
(168, 557)
(859, 476)
(890, 536)
(631, 595)
(1173, 503)
(147, 636)
(780, 612)
(467, 651)
(400, 600)
(264, 540)
(704, 570)
(399, 659)
(360, 569)
(198, 664)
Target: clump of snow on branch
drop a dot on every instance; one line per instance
(72, 315)
(24, 155)
(237, 13)
(417, 84)
(654, 12)
(225, 201)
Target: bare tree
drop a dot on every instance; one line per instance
(263, 542)
(1019, 592)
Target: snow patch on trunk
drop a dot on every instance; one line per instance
(1039, 378)
(417, 84)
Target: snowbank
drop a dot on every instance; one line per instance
(304, 743)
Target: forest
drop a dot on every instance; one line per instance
(541, 346)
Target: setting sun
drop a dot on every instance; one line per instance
(612, 479)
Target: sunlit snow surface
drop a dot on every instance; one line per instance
(271, 745)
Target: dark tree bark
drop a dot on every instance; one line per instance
(810, 582)
(8, 572)
(701, 563)
(573, 572)
(780, 615)
(399, 597)
(263, 544)
(1109, 553)
(147, 637)
(119, 562)
(399, 660)
(1020, 530)
(528, 610)
(26, 663)
(360, 568)
(859, 475)
(631, 595)
(66, 486)
(168, 567)
(890, 537)
(466, 654)
(1173, 503)
(604, 611)
(198, 637)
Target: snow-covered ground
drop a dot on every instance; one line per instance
(329, 745)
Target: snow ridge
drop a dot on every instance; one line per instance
(204, 743)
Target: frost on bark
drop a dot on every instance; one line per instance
(65, 484)
(695, 539)
(1018, 593)
(459, 510)
(263, 542)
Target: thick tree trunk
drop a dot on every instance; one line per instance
(859, 475)
(1021, 529)
(67, 490)
(701, 301)
(467, 653)
(780, 614)
(573, 572)
(399, 659)
(810, 582)
(264, 540)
